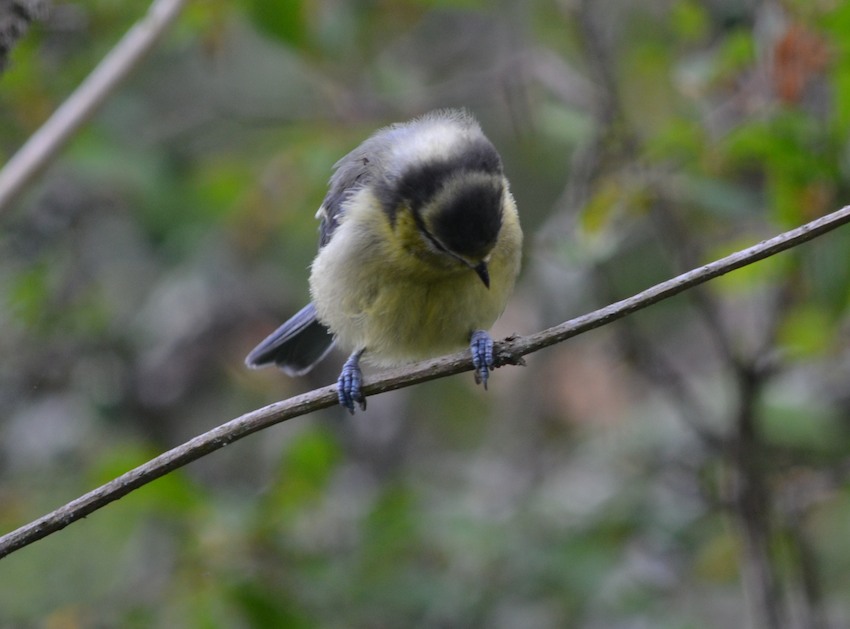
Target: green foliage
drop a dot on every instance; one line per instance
(28, 294)
(690, 20)
(304, 472)
(285, 21)
(261, 606)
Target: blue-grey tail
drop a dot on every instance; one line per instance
(295, 346)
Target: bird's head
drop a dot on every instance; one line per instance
(464, 219)
(456, 200)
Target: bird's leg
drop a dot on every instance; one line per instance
(481, 346)
(348, 384)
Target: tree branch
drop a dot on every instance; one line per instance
(752, 508)
(45, 143)
(508, 351)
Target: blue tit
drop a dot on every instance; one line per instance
(420, 246)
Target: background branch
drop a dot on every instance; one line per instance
(509, 351)
(45, 143)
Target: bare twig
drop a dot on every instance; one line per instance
(508, 351)
(45, 143)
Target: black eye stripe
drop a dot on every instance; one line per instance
(420, 225)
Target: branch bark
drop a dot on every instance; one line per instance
(508, 351)
(45, 143)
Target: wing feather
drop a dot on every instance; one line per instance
(295, 346)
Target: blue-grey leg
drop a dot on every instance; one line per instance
(481, 346)
(348, 384)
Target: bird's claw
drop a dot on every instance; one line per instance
(481, 346)
(348, 384)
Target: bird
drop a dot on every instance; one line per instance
(419, 249)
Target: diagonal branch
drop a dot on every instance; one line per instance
(45, 143)
(508, 351)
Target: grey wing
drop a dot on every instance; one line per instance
(357, 169)
(295, 346)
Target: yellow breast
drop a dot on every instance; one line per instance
(375, 287)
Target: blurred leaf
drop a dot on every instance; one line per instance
(601, 208)
(802, 424)
(690, 20)
(648, 62)
(680, 140)
(798, 157)
(263, 605)
(304, 471)
(717, 558)
(284, 20)
(390, 531)
(604, 221)
(220, 184)
(28, 294)
(735, 54)
(311, 458)
(807, 331)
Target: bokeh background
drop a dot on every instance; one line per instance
(684, 468)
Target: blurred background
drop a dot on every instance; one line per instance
(684, 468)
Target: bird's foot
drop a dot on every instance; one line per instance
(348, 384)
(481, 346)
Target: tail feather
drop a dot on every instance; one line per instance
(296, 346)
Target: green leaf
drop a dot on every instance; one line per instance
(690, 20)
(29, 293)
(284, 20)
(304, 471)
(263, 606)
(806, 331)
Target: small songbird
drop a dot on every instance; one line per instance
(419, 249)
